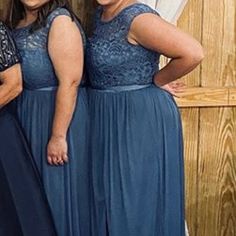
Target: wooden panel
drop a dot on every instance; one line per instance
(207, 97)
(219, 43)
(217, 173)
(204, 97)
(191, 22)
(216, 180)
(190, 128)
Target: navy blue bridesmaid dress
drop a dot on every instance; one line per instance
(24, 210)
(67, 186)
(136, 136)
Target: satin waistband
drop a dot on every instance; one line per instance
(51, 88)
(117, 89)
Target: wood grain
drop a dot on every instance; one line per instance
(207, 97)
(217, 173)
(232, 96)
(204, 97)
(190, 128)
(218, 67)
(191, 22)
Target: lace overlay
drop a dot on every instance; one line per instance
(38, 71)
(8, 52)
(111, 59)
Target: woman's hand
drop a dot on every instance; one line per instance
(175, 88)
(57, 151)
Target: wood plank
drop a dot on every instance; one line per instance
(191, 22)
(216, 186)
(217, 173)
(218, 66)
(204, 97)
(190, 129)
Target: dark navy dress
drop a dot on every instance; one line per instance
(136, 136)
(24, 209)
(66, 186)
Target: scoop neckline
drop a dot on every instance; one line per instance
(118, 14)
(24, 27)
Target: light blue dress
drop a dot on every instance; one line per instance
(67, 186)
(136, 136)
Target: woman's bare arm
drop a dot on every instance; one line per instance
(154, 33)
(66, 52)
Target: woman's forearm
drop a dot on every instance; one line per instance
(65, 105)
(8, 93)
(176, 69)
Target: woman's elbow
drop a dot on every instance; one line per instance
(197, 54)
(19, 88)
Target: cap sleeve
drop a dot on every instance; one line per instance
(135, 10)
(57, 12)
(64, 12)
(8, 53)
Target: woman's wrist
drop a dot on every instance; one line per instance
(157, 82)
(58, 136)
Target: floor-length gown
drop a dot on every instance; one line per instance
(24, 210)
(66, 186)
(136, 136)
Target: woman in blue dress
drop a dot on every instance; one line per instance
(53, 107)
(136, 135)
(24, 209)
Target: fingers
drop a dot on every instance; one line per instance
(65, 157)
(178, 86)
(57, 151)
(50, 162)
(57, 159)
(52, 159)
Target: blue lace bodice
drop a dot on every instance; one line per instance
(8, 51)
(111, 59)
(37, 68)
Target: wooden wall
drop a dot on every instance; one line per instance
(209, 116)
(210, 122)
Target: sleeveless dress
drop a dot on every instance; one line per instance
(66, 186)
(24, 210)
(136, 142)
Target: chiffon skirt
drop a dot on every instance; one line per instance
(136, 153)
(67, 187)
(24, 209)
